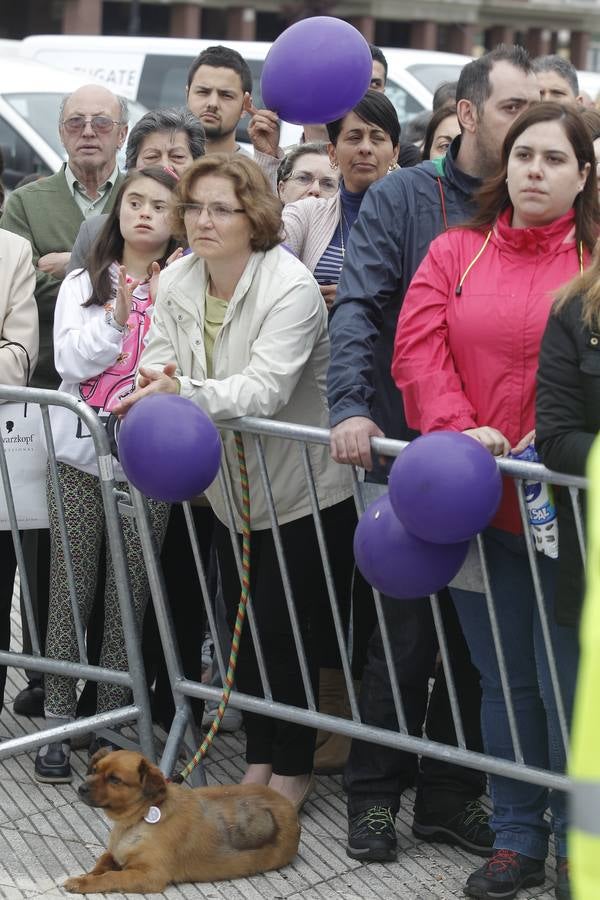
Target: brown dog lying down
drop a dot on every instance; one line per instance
(167, 832)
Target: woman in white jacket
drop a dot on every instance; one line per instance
(101, 319)
(240, 328)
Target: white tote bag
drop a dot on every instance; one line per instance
(21, 428)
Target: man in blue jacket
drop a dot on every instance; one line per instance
(399, 217)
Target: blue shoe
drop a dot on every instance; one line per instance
(504, 874)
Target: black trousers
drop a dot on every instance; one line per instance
(9, 567)
(289, 748)
(377, 775)
(187, 610)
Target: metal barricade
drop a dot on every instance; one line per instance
(475, 568)
(134, 679)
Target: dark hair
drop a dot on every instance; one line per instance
(375, 109)
(109, 244)
(293, 154)
(220, 57)
(445, 95)
(444, 112)
(561, 66)
(252, 189)
(377, 56)
(474, 80)
(493, 197)
(591, 119)
(165, 120)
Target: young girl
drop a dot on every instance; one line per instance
(101, 318)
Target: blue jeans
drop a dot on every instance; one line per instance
(519, 807)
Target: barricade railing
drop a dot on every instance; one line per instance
(137, 711)
(253, 430)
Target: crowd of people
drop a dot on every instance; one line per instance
(360, 282)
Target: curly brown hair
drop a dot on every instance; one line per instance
(252, 189)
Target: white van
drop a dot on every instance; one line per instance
(30, 97)
(154, 71)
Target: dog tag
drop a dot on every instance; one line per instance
(153, 815)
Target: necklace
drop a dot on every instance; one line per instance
(343, 221)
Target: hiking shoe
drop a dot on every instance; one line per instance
(469, 827)
(30, 701)
(53, 764)
(372, 835)
(232, 718)
(503, 876)
(562, 890)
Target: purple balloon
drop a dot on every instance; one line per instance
(169, 448)
(445, 487)
(396, 562)
(316, 71)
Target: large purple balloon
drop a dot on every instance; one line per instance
(316, 71)
(396, 562)
(445, 487)
(169, 448)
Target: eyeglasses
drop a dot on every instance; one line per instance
(305, 179)
(100, 124)
(217, 212)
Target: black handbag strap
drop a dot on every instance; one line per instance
(21, 347)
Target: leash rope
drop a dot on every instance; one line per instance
(239, 622)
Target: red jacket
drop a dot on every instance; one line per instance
(470, 359)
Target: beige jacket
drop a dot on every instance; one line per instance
(309, 225)
(270, 360)
(18, 309)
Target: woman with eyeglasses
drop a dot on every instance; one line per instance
(465, 358)
(363, 148)
(305, 171)
(240, 328)
(101, 320)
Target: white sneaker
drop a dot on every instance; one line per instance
(232, 720)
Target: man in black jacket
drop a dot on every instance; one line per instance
(399, 217)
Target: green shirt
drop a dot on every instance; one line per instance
(215, 310)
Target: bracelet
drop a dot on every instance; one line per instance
(110, 320)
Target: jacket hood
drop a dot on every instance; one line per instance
(466, 184)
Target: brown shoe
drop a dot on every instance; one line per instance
(332, 749)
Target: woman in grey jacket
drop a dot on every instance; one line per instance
(240, 328)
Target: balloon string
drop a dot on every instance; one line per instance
(239, 622)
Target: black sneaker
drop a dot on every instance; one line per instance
(53, 764)
(562, 890)
(30, 701)
(470, 828)
(372, 835)
(98, 743)
(504, 875)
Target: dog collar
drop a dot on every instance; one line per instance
(153, 815)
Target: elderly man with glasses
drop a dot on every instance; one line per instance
(48, 213)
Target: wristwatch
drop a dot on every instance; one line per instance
(110, 320)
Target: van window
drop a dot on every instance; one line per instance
(406, 105)
(434, 74)
(19, 158)
(41, 112)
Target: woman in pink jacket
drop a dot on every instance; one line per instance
(465, 358)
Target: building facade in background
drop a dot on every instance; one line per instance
(461, 26)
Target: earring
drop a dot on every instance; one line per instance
(392, 166)
(333, 165)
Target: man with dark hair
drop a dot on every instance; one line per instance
(399, 217)
(219, 93)
(557, 78)
(380, 69)
(162, 137)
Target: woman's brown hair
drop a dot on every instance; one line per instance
(493, 197)
(251, 187)
(109, 244)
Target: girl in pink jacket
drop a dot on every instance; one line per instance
(465, 358)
